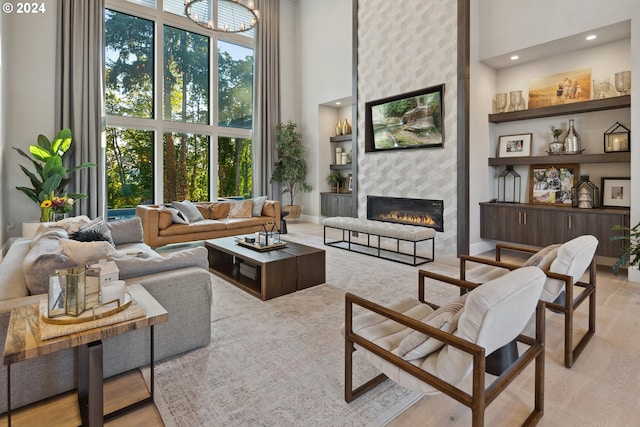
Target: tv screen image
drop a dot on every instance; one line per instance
(410, 120)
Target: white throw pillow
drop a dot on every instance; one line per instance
(417, 345)
(177, 217)
(189, 210)
(258, 204)
(83, 253)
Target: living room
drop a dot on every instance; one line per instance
(402, 48)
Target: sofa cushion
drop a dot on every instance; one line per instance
(132, 266)
(233, 223)
(165, 219)
(219, 209)
(204, 210)
(189, 210)
(240, 209)
(126, 231)
(543, 258)
(203, 226)
(269, 208)
(70, 225)
(12, 280)
(42, 261)
(257, 205)
(417, 345)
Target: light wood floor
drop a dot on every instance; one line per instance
(602, 388)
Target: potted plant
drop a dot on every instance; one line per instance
(335, 180)
(291, 167)
(631, 250)
(51, 178)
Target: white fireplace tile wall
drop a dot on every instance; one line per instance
(401, 49)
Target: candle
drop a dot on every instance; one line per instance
(616, 144)
(111, 291)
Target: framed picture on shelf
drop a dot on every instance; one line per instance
(350, 181)
(514, 145)
(551, 184)
(616, 192)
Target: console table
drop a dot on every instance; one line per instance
(23, 343)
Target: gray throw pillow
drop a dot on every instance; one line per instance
(42, 261)
(189, 210)
(131, 266)
(98, 225)
(258, 204)
(126, 231)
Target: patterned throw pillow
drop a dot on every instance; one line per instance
(177, 217)
(240, 209)
(97, 227)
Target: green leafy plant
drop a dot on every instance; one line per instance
(631, 249)
(335, 179)
(291, 167)
(50, 178)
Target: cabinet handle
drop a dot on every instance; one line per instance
(519, 217)
(569, 222)
(525, 218)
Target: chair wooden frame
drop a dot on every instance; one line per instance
(567, 308)
(481, 395)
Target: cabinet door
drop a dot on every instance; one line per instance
(343, 205)
(501, 222)
(587, 222)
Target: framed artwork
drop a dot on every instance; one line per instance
(551, 184)
(406, 121)
(514, 145)
(558, 89)
(616, 192)
(350, 179)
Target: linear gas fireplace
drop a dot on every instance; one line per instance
(422, 212)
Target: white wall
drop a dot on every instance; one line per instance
(30, 45)
(3, 195)
(324, 73)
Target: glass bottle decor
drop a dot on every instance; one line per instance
(585, 194)
(571, 142)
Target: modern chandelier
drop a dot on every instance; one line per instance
(234, 16)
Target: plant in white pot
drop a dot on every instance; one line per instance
(291, 167)
(631, 250)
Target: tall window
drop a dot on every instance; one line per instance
(179, 118)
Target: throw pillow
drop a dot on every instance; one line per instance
(88, 236)
(417, 345)
(43, 259)
(164, 218)
(126, 230)
(269, 208)
(219, 210)
(177, 217)
(83, 253)
(240, 209)
(131, 266)
(189, 210)
(204, 210)
(543, 258)
(258, 204)
(98, 225)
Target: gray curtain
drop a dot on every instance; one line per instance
(266, 98)
(79, 96)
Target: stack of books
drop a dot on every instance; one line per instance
(249, 271)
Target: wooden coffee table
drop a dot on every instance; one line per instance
(23, 343)
(277, 272)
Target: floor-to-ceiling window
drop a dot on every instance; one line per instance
(169, 137)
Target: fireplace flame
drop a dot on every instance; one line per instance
(408, 218)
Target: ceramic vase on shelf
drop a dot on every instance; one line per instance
(339, 128)
(346, 127)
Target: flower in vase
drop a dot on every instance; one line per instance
(555, 131)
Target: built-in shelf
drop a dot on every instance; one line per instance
(624, 157)
(564, 109)
(340, 167)
(341, 138)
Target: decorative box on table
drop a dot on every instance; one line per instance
(97, 275)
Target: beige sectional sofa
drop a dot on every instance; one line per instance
(179, 281)
(220, 219)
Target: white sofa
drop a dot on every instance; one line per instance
(180, 282)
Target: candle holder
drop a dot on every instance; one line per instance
(616, 138)
(66, 296)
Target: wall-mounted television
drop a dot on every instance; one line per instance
(405, 121)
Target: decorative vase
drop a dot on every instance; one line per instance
(46, 215)
(556, 147)
(571, 142)
(346, 127)
(339, 128)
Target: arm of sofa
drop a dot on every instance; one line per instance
(150, 217)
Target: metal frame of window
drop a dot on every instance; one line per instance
(157, 124)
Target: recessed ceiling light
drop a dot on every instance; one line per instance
(337, 102)
(591, 37)
(514, 57)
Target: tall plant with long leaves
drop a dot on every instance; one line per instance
(631, 249)
(50, 178)
(291, 167)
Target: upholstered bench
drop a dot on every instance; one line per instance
(399, 232)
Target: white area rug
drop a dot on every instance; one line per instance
(281, 362)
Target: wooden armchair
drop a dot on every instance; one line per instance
(563, 292)
(449, 342)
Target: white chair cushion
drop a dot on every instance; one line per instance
(573, 259)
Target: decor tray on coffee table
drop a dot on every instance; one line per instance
(261, 248)
(267, 274)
